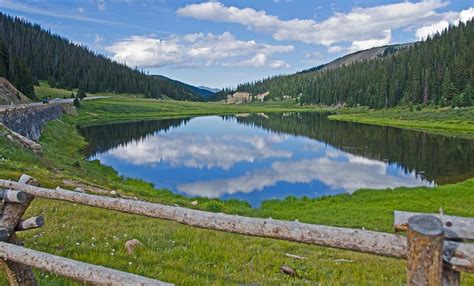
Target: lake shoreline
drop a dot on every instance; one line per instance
(62, 160)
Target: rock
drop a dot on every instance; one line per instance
(288, 270)
(114, 193)
(295, 256)
(194, 203)
(79, 190)
(130, 245)
(70, 109)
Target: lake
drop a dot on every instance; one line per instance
(257, 157)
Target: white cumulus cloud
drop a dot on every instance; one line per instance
(451, 18)
(197, 50)
(361, 28)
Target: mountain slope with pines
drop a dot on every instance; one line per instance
(36, 54)
(438, 71)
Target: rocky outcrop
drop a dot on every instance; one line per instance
(29, 121)
(238, 97)
(9, 94)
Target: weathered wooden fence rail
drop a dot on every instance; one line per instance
(72, 269)
(455, 255)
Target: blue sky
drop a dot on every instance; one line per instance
(223, 43)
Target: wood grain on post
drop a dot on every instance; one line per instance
(17, 274)
(76, 270)
(455, 227)
(425, 251)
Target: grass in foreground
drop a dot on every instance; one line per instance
(191, 256)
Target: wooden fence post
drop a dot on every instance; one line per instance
(12, 212)
(451, 277)
(425, 251)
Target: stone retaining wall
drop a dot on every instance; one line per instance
(29, 121)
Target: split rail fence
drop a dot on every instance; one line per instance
(437, 247)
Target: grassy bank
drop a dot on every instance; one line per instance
(120, 108)
(191, 256)
(444, 121)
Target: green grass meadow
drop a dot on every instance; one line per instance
(191, 256)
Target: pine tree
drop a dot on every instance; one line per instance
(448, 90)
(467, 96)
(81, 93)
(76, 102)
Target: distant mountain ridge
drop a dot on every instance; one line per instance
(372, 53)
(213, 90)
(204, 92)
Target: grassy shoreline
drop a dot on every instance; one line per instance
(191, 256)
(443, 121)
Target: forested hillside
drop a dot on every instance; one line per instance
(437, 71)
(45, 56)
(203, 93)
(16, 72)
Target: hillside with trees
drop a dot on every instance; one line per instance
(438, 71)
(30, 53)
(15, 71)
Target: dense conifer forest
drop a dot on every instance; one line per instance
(15, 70)
(438, 71)
(29, 53)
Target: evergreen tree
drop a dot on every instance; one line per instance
(76, 102)
(81, 93)
(467, 96)
(448, 90)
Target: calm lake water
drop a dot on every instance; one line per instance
(271, 156)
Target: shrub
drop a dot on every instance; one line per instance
(77, 103)
(214, 206)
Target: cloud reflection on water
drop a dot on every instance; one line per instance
(201, 151)
(337, 170)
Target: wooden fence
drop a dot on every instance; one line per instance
(435, 246)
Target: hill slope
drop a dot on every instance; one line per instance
(9, 94)
(438, 71)
(68, 65)
(369, 54)
(203, 93)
